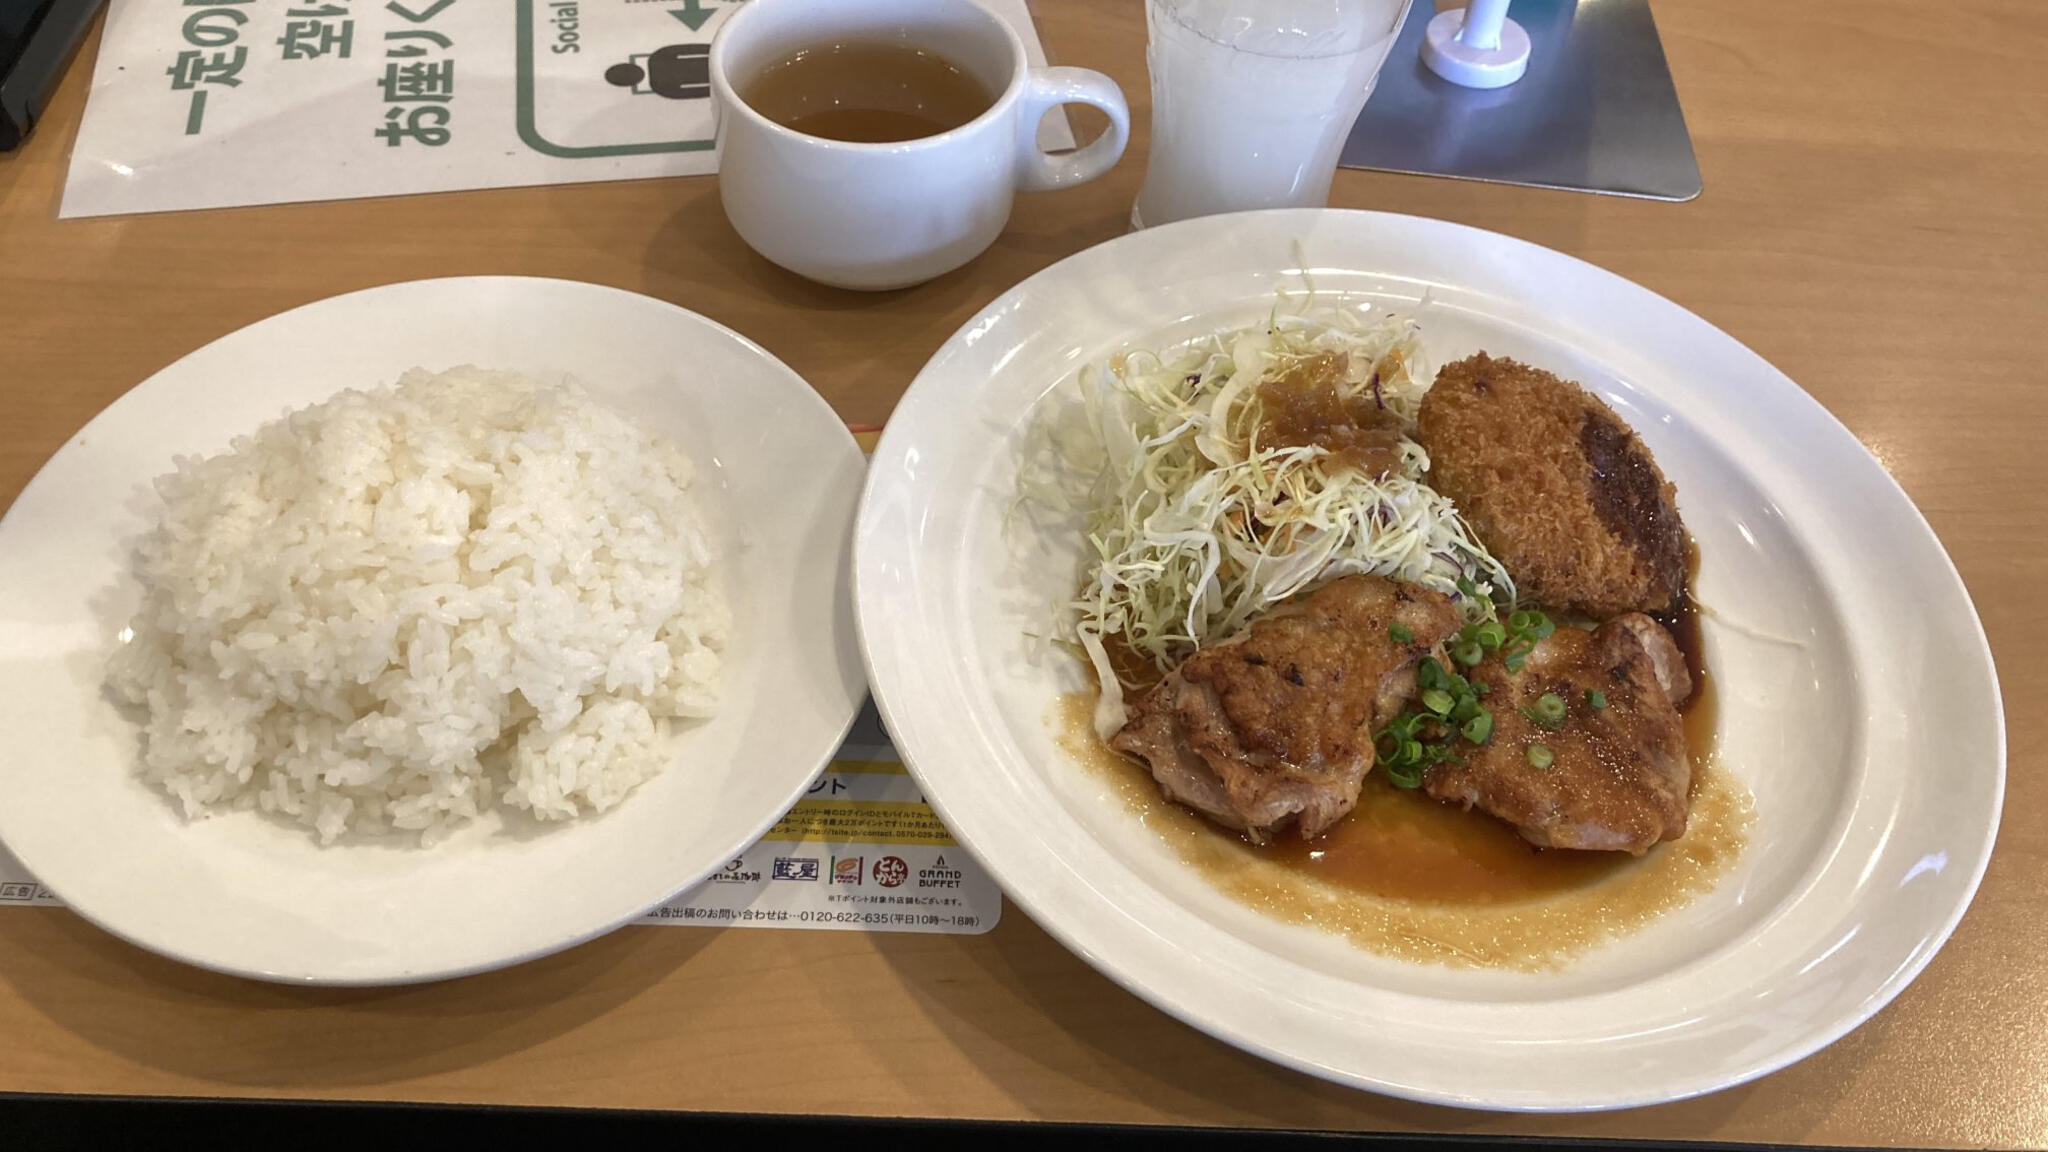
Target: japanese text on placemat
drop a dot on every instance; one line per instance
(313, 31)
(419, 77)
(212, 57)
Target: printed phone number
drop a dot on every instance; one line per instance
(832, 917)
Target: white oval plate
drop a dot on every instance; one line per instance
(255, 897)
(1872, 741)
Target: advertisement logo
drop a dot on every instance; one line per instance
(846, 869)
(736, 872)
(796, 868)
(940, 875)
(891, 871)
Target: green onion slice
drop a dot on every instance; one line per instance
(1479, 727)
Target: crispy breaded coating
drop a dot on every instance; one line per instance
(1556, 486)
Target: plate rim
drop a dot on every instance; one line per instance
(1682, 1088)
(776, 369)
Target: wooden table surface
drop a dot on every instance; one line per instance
(1873, 224)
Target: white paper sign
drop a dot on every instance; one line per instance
(219, 103)
(862, 851)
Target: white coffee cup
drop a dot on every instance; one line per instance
(877, 216)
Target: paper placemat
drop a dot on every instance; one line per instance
(224, 103)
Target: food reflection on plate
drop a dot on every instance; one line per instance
(1408, 656)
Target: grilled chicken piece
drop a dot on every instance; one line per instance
(1275, 723)
(1560, 490)
(1619, 776)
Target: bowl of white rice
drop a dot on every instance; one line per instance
(424, 630)
(400, 608)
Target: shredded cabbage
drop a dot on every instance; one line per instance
(1194, 525)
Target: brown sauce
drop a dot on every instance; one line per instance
(1702, 709)
(1402, 845)
(1551, 906)
(1134, 670)
(1405, 846)
(1306, 404)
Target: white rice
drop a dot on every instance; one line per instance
(400, 607)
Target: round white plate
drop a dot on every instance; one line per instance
(252, 896)
(1858, 700)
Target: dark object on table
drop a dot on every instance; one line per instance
(37, 38)
(115, 1124)
(1596, 112)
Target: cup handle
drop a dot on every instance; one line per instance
(1048, 88)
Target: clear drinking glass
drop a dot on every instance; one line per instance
(1252, 99)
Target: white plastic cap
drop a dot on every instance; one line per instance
(1476, 46)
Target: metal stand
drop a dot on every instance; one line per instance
(1595, 112)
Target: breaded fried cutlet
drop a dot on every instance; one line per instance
(1556, 486)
